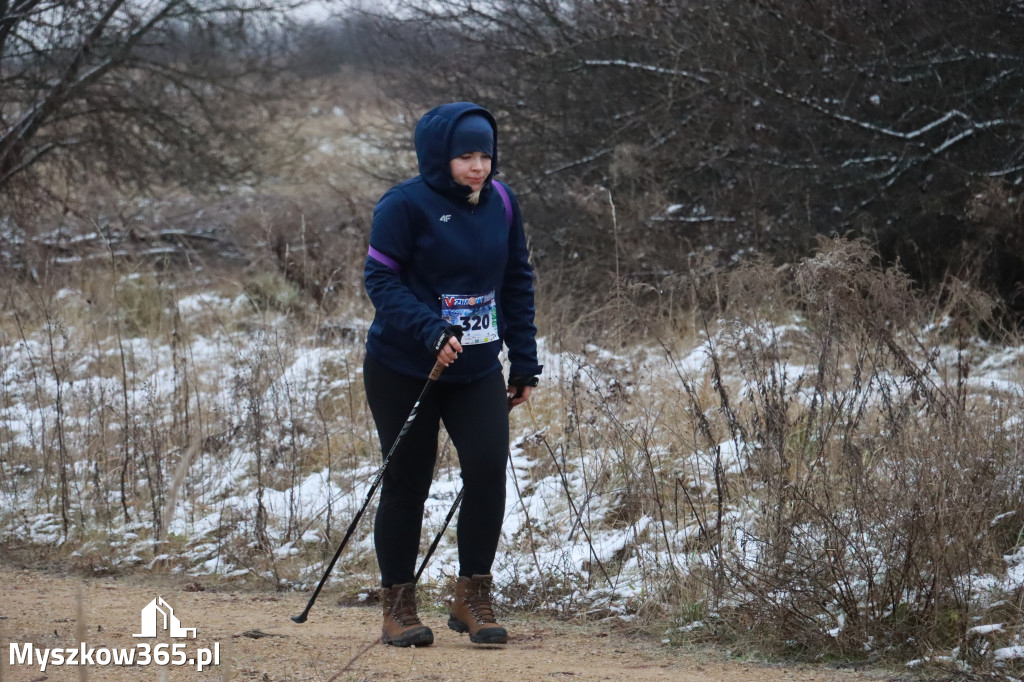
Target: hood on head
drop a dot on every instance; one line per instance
(433, 142)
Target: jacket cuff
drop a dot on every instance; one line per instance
(450, 331)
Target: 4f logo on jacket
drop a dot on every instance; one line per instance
(446, 217)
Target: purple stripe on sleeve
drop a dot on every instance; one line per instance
(384, 260)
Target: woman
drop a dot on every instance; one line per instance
(447, 253)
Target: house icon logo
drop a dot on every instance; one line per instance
(158, 614)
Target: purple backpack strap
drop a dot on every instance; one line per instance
(505, 200)
(391, 263)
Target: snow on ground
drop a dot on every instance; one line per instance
(563, 525)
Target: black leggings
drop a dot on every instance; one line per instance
(476, 417)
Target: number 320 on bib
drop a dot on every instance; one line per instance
(476, 314)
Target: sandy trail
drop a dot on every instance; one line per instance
(256, 640)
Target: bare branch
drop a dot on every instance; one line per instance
(65, 69)
(643, 67)
(910, 135)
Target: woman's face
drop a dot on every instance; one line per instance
(471, 169)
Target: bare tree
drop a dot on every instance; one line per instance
(139, 92)
(743, 126)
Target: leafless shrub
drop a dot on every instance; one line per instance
(743, 126)
(820, 476)
(139, 94)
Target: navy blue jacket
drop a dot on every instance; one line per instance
(428, 240)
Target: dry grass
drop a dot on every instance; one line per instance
(800, 458)
(838, 481)
(802, 462)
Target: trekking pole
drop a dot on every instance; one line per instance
(444, 526)
(448, 519)
(431, 380)
(437, 538)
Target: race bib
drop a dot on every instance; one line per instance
(477, 315)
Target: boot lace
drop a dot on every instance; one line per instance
(479, 602)
(403, 609)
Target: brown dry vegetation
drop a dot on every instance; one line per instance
(799, 457)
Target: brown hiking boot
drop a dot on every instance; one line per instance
(402, 627)
(471, 611)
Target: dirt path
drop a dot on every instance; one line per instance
(255, 640)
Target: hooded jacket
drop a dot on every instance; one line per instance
(428, 241)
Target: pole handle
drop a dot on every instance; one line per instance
(436, 372)
(452, 330)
